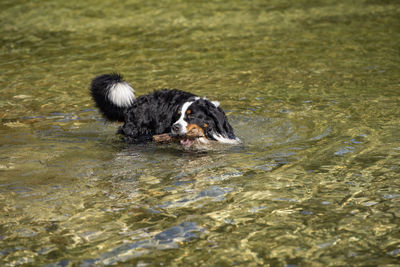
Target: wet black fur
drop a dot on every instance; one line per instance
(155, 113)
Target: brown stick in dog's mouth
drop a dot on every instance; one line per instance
(193, 132)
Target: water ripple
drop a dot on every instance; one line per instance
(168, 239)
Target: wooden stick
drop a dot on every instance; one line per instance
(165, 138)
(194, 132)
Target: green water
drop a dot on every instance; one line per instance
(311, 87)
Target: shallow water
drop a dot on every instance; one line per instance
(311, 87)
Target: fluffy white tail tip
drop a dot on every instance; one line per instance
(121, 94)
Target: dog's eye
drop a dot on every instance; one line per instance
(190, 116)
(179, 113)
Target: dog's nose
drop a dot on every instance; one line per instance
(176, 128)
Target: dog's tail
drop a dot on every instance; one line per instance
(112, 95)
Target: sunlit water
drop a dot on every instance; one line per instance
(312, 88)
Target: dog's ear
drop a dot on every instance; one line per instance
(221, 121)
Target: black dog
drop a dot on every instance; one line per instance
(163, 111)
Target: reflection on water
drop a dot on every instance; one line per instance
(311, 88)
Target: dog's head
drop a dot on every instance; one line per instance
(202, 120)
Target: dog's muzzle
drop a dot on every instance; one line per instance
(179, 129)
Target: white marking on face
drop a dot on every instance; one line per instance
(181, 122)
(121, 94)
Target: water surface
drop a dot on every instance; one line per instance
(311, 87)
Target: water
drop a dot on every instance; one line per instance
(311, 87)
